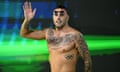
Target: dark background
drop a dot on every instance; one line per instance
(96, 16)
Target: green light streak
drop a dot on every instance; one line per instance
(27, 55)
(34, 47)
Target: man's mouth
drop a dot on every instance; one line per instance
(58, 21)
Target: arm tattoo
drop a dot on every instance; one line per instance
(83, 45)
(69, 56)
(85, 54)
(26, 26)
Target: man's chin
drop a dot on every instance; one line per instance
(60, 26)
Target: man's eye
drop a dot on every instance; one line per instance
(56, 14)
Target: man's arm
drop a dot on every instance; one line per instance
(84, 52)
(29, 14)
(25, 32)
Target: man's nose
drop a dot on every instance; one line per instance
(58, 17)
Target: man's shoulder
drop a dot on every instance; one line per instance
(75, 31)
(48, 29)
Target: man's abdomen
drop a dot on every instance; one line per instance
(63, 61)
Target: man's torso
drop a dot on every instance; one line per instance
(63, 53)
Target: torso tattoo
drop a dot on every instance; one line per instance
(69, 56)
(59, 40)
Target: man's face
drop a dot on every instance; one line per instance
(60, 17)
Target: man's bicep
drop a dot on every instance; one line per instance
(85, 50)
(85, 53)
(82, 45)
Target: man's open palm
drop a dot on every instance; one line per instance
(28, 13)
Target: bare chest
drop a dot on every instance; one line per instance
(60, 40)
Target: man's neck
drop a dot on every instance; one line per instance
(64, 28)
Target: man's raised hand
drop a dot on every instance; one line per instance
(28, 13)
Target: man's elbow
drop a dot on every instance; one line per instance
(23, 35)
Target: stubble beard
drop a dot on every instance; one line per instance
(61, 26)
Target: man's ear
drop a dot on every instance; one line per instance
(67, 18)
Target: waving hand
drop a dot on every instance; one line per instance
(28, 13)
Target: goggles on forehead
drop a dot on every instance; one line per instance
(56, 13)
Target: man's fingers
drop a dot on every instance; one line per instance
(30, 6)
(27, 4)
(34, 11)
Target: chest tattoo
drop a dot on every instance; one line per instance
(58, 40)
(68, 38)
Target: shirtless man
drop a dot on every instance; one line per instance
(64, 42)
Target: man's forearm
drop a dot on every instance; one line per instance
(88, 66)
(24, 28)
